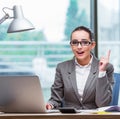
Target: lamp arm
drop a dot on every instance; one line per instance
(4, 18)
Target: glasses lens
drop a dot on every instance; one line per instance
(85, 43)
(74, 42)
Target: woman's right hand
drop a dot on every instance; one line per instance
(49, 106)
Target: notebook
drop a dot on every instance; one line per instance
(21, 94)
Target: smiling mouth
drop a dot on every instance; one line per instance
(80, 53)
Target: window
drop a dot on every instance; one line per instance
(109, 30)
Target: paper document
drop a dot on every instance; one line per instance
(103, 110)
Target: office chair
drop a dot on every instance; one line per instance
(116, 89)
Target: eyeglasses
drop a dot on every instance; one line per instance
(82, 43)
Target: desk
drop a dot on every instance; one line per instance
(60, 116)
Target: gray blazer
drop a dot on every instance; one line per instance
(97, 91)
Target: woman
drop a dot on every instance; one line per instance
(83, 82)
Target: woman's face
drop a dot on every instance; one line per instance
(81, 46)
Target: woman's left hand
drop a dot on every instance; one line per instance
(104, 62)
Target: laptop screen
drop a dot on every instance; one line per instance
(21, 94)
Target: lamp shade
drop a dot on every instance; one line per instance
(19, 23)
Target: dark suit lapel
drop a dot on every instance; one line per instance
(91, 77)
(72, 78)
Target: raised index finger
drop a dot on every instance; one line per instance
(108, 55)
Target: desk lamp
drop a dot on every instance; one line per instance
(19, 23)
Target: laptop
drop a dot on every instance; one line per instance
(21, 94)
